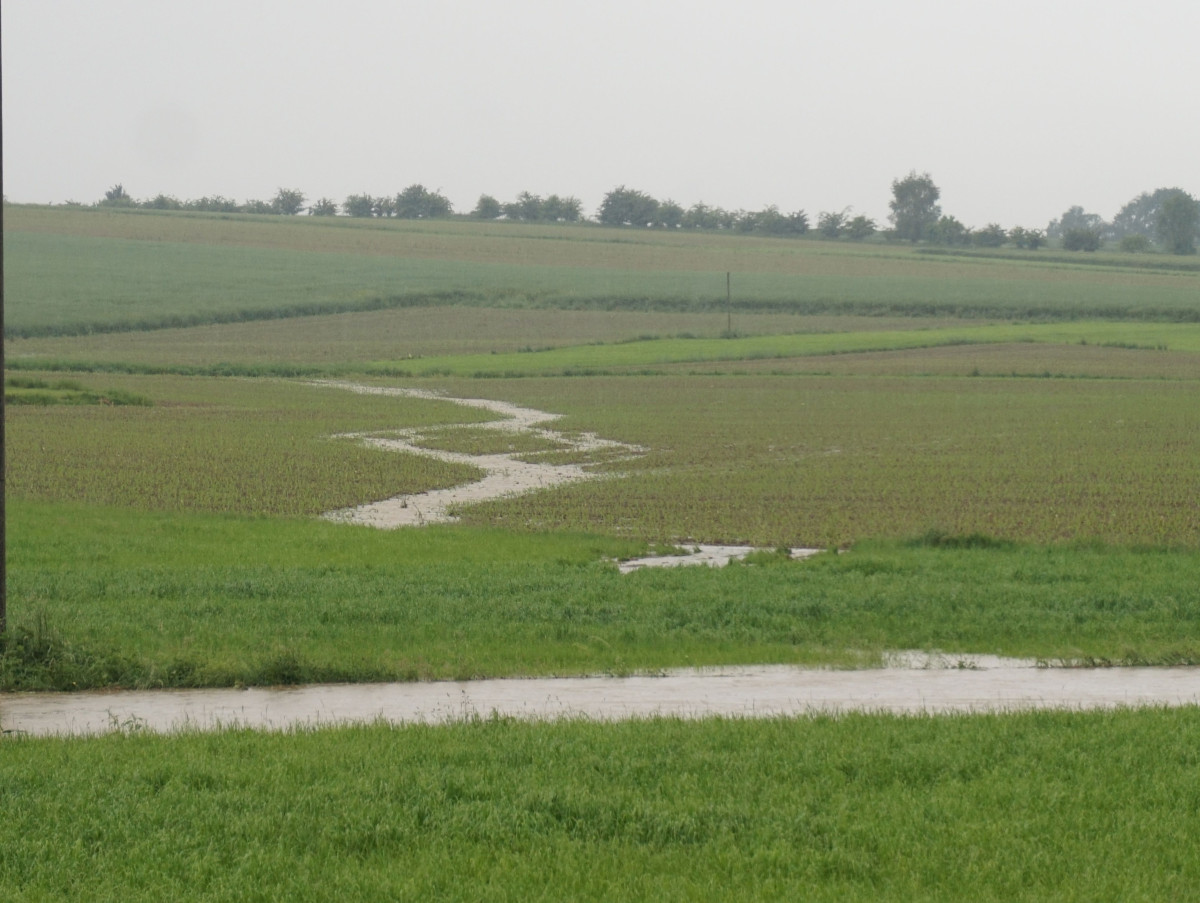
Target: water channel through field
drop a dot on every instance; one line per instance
(910, 684)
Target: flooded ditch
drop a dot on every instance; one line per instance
(911, 683)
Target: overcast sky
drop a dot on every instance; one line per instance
(1017, 108)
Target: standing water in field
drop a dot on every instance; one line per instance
(507, 473)
(909, 683)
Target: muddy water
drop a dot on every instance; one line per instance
(911, 684)
(505, 474)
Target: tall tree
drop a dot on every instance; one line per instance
(1076, 219)
(628, 207)
(418, 202)
(914, 205)
(1177, 222)
(360, 205)
(288, 201)
(487, 207)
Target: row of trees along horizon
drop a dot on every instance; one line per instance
(1167, 219)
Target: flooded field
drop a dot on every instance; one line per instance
(506, 474)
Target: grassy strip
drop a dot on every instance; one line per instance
(1035, 806)
(600, 359)
(1122, 261)
(645, 353)
(105, 597)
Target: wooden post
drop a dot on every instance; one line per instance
(728, 305)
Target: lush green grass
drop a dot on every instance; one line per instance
(104, 597)
(1040, 806)
(1023, 359)
(654, 353)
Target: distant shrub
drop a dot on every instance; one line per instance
(1081, 240)
(1135, 244)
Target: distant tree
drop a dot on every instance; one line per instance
(567, 209)
(256, 206)
(1076, 219)
(288, 201)
(417, 202)
(1081, 240)
(1134, 243)
(830, 223)
(1177, 221)
(627, 207)
(359, 205)
(701, 216)
(769, 221)
(990, 236)
(1140, 216)
(1031, 239)
(163, 202)
(528, 208)
(860, 228)
(117, 196)
(487, 207)
(383, 207)
(214, 204)
(949, 231)
(324, 207)
(670, 214)
(914, 206)
(797, 222)
(745, 221)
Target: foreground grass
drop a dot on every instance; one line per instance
(107, 597)
(1037, 806)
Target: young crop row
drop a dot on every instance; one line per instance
(223, 445)
(797, 460)
(825, 461)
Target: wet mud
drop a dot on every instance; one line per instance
(911, 683)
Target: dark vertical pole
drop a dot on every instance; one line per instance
(3, 458)
(728, 304)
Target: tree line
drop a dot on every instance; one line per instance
(1168, 218)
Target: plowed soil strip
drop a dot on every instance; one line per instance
(952, 685)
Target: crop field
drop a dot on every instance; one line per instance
(1003, 448)
(68, 272)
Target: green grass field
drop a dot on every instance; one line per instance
(991, 807)
(1005, 445)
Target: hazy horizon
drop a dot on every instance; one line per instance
(1017, 112)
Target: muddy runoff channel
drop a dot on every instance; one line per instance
(912, 683)
(908, 683)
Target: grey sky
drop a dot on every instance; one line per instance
(1018, 109)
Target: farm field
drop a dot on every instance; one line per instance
(1004, 449)
(989, 807)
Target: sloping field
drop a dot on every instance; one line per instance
(71, 271)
